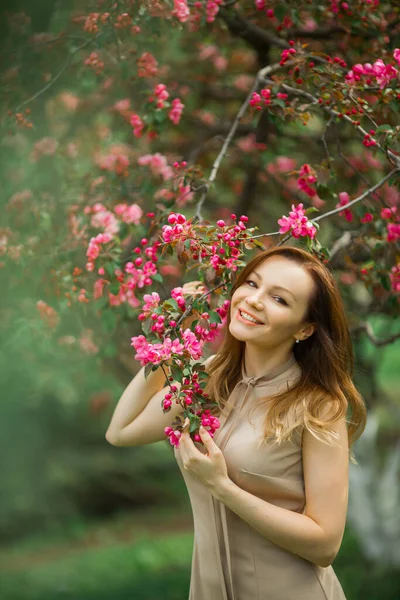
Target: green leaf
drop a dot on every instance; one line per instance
(114, 288)
(194, 424)
(157, 277)
(177, 374)
(171, 303)
(215, 318)
(147, 370)
(384, 127)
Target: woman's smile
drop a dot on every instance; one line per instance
(244, 319)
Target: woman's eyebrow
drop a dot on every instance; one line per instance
(277, 287)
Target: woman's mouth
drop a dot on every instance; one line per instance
(244, 318)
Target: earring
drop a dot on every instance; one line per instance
(297, 341)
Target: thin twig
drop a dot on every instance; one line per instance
(360, 198)
(55, 78)
(365, 326)
(331, 111)
(345, 206)
(217, 163)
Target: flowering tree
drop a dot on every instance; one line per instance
(121, 182)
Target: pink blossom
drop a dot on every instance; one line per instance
(367, 218)
(147, 65)
(344, 199)
(104, 219)
(129, 213)
(155, 353)
(137, 125)
(173, 436)
(387, 213)
(396, 55)
(184, 195)
(176, 111)
(393, 232)
(46, 146)
(160, 92)
(297, 223)
(158, 165)
(151, 301)
(177, 294)
(192, 344)
(395, 278)
(122, 106)
(181, 10)
(212, 9)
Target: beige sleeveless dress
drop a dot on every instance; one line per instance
(231, 560)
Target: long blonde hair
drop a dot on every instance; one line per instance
(325, 358)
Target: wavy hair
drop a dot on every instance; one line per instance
(324, 392)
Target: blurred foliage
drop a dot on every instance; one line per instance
(155, 567)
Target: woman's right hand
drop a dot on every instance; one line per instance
(192, 288)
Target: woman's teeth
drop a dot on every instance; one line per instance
(248, 318)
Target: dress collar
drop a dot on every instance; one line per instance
(270, 374)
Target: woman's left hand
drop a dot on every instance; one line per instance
(208, 468)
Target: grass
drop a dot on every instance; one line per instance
(147, 569)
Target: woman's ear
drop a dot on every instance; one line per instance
(307, 331)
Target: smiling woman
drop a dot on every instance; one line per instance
(269, 491)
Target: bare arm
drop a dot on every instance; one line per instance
(133, 401)
(138, 418)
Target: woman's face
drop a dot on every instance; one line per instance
(277, 294)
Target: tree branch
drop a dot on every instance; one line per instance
(365, 326)
(262, 73)
(340, 208)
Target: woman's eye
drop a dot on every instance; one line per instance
(280, 300)
(250, 281)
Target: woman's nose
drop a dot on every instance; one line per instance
(254, 301)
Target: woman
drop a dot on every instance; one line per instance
(269, 491)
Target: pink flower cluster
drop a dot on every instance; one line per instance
(176, 111)
(181, 10)
(367, 218)
(306, 179)
(287, 53)
(158, 165)
(160, 92)
(137, 125)
(155, 353)
(147, 65)
(297, 223)
(368, 140)
(117, 163)
(382, 73)
(208, 421)
(344, 199)
(393, 232)
(140, 277)
(103, 218)
(151, 301)
(177, 294)
(94, 248)
(178, 228)
(129, 213)
(258, 101)
(212, 9)
(191, 344)
(263, 99)
(395, 278)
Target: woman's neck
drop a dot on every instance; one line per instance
(259, 363)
